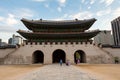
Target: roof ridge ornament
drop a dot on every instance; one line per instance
(76, 19)
(40, 19)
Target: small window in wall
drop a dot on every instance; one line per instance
(30, 43)
(60, 42)
(55, 42)
(51, 43)
(90, 42)
(71, 42)
(26, 43)
(45, 43)
(81, 42)
(76, 42)
(35, 43)
(40, 43)
(66, 42)
(86, 42)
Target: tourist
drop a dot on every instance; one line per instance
(67, 62)
(61, 62)
(78, 61)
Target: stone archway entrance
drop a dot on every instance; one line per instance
(80, 55)
(38, 57)
(57, 55)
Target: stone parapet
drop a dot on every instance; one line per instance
(24, 55)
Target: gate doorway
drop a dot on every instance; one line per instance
(57, 55)
(38, 57)
(80, 55)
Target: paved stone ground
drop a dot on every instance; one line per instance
(57, 72)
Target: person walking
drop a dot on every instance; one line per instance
(68, 62)
(61, 62)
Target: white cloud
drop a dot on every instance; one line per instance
(61, 5)
(101, 1)
(23, 13)
(8, 20)
(62, 1)
(92, 1)
(103, 12)
(116, 12)
(107, 2)
(7, 29)
(46, 5)
(39, 0)
(11, 20)
(82, 15)
(59, 9)
(62, 18)
(82, 1)
(89, 7)
(87, 2)
(1, 18)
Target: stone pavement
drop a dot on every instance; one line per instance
(57, 72)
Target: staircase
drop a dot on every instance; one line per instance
(14, 58)
(108, 53)
(1, 60)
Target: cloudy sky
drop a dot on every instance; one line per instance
(12, 11)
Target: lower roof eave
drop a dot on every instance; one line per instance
(81, 35)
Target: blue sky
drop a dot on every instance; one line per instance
(11, 11)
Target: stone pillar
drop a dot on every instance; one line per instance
(70, 55)
(47, 57)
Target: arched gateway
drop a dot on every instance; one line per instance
(58, 33)
(80, 55)
(57, 55)
(38, 57)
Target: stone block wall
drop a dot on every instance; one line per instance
(24, 55)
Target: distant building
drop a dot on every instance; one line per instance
(3, 44)
(116, 31)
(15, 40)
(10, 41)
(104, 38)
(0, 41)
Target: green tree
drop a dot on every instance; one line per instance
(77, 55)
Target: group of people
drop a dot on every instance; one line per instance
(67, 62)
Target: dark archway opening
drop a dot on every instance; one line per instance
(38, 57)
(80, 55)
(57, 55)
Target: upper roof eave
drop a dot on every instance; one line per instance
(58, 22)
(65, 24)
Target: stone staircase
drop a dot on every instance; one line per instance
(109, 57)
(1, 60)
(98, 56)
(13, 58)
(107, 53)
(6, 55)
